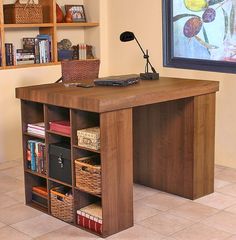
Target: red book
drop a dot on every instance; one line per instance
(91, 217)
(60, 126)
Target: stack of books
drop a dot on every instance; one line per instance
(81, 51)
(36, 156)
(91, 217)
(36, 128)
(35, 50)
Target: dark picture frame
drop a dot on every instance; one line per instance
(170, 60)
(77, 12)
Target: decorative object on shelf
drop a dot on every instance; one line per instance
(129, 36)
(68, 17)
(91, 217)
(65, 50)
(79, 70)
(23, 13)
(77, 12)
(60, 14)
(89, 138)
(88, 174)
(62, 203)
(200, 35)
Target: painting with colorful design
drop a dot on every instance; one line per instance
(201, 32)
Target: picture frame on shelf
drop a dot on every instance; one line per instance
(200, 36)
(77, 12)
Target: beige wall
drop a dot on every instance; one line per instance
(10, 120)
(144, 18)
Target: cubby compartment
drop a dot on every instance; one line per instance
(33, 114)
(82, 120)
(58, 120)
(35, 155)
(36, 191)
(88, 212)
(61, 202)
(60, 162)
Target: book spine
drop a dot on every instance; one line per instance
(32, 154)
(28, 156)
(86, 222)
(37, 51)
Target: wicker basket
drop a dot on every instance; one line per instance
(23, 13)
(88, 174)
(77, 70)
(61, 205)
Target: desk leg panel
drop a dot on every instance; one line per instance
(204, 144)
(117, 170)
(163, 146)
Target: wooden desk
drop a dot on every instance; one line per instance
(156, 133)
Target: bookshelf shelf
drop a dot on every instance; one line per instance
(40, 25)
(87, 149)
(86, 24)
(48, 27)
(88, 192)
(58, 133)
(31, 65)
(36, 173)
(38, 207)
(60, 182)
(34, 135)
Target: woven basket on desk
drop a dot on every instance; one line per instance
(77, 70)
(61, 205)
(88, 174)
(23, 13)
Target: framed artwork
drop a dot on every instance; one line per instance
(200, 34)
(77, 12)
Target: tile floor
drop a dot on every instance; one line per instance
(157, 215)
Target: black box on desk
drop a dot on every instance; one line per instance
(60, 162)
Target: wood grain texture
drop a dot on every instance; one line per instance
(103, 99)
(177, 139)
(204, 145)
(117, 168)
(163, 146)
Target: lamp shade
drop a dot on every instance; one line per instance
(127, 36)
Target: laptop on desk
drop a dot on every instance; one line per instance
(120, 81)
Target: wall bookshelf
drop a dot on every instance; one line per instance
(50, 27)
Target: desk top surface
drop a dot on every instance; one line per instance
(104, 99)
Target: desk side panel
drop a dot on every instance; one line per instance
(204, 144)
(117, 170)
(163, 146)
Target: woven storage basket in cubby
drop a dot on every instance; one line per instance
(88, 174)
(61, 204)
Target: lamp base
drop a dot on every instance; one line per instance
(149, 76)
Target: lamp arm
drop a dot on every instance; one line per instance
(144, 54)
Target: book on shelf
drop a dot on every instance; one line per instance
(60, 126)
(36, 128)
(36, 156)
(9, 52)
(91, 217)
(82, 51)
(35, 50)
(40, 190)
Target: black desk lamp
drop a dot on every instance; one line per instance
(129, 36)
